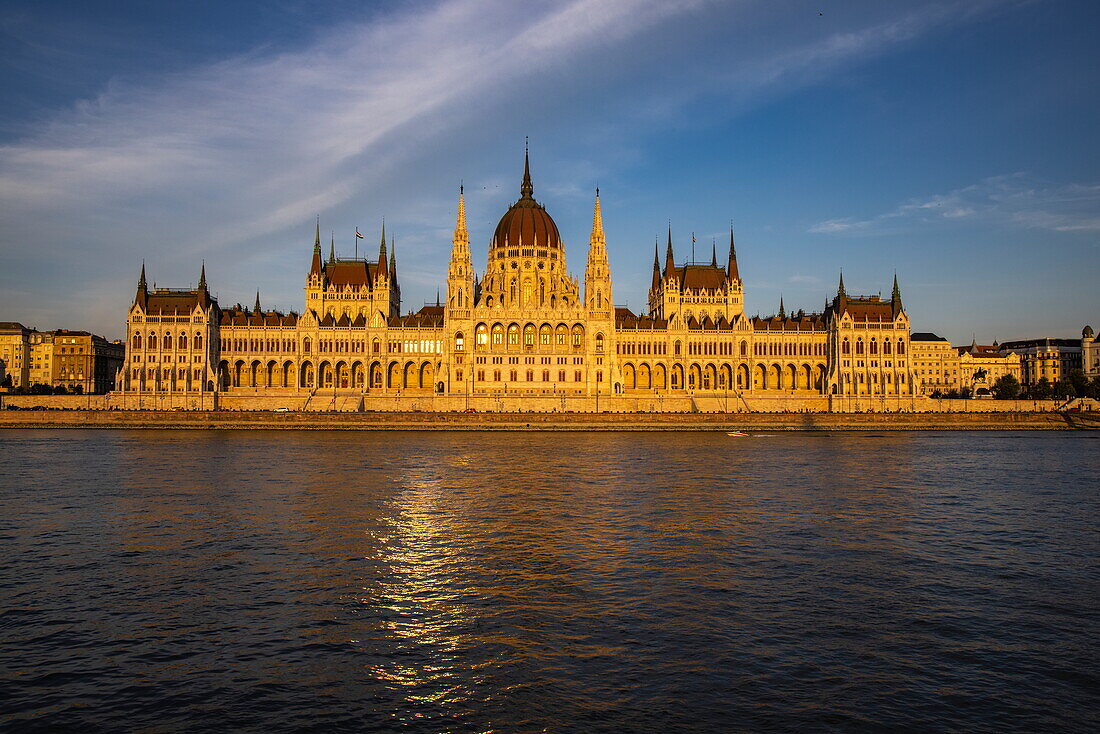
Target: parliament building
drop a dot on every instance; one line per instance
(526, 334)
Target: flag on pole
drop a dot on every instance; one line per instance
(357, 235)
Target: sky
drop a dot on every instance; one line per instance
(951, 143)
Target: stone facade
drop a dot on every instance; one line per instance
(526, 330)
(1049, 358)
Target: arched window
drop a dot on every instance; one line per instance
(307, 345)
(578, 336)
(136, 341)
(542, 291)
(481, 336)
(901, 347)
(874, 347)
(676, 348)
(744, 348)
(375, 346)
(529, 335)
(845, 347)
(528, 292)
(513, 335)
(167, 341)
(458, 298)
(198, 340)
(886, 346)
(512, 290)
(859, 346)
(498, 335)
(561, 336)
(546, 335)
(152, 340)
(460, 342)
(599, 342)
(183, 341)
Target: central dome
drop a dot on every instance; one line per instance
(526, 223)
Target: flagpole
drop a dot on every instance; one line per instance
(356, 238)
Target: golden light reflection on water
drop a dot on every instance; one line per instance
(524, 582)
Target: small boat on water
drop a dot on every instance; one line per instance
(737, 433)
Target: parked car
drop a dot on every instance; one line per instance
(281, 410)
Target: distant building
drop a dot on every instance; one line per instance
(935, 363)
(76, 360)
(1047, 357)
(981, 365)
(15, 359)
(1090, 352)
(85, 362)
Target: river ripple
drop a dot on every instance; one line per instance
(425, 582)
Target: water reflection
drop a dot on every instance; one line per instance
(530, 582)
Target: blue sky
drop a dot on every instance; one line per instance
(953, 143)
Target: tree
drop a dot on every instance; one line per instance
(1042, 390)
(965, 393)
(952, 394)
(1006, 387)
(1064, 389)
(1077, 379)
(936, 394)
(1093, 389)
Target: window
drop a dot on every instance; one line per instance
(599, 342)
(513, 335)
(576, 375)
(460, 342)
(498, 335)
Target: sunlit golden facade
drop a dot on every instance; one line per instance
(525, 329)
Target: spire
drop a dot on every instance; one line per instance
(437, 303)
(731, 264)
(202, 277)
(142, 287)
(332, 249)
(317, 237)
(526, 190)
(316, 266)
(461, 233)
(782, 311)
(840, 292)
(670, 260)
(597, 220)
(393, 258)
(713, 254)
(382, 264)
(257, 309)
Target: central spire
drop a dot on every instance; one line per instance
(526, 190)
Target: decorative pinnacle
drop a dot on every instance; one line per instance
(896, 295)
(257, 309)
(460, 221)
(526, 190)
(202, 277)
(840, 291)
(141, 279)
(597, 219)
(317, 236)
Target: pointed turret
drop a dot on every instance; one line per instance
(202, 277)
(782, 311)
(597, 220)
(461, 233)
(383, 264)
(840, 292)
(461, 289)
(597, 274)
(713, 255)
(316, 267)
(257, 308)
(731, 264)
(670, 260)
(332, 250)
(393, 262)
(526, 190)
(142, 286)
(895, 297)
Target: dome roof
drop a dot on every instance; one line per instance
(526, 223)
(1087, 332)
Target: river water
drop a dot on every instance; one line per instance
(587, 582)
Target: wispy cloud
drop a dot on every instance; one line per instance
(1012, 200)
(216, 160)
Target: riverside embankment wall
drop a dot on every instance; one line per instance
(262, 420)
